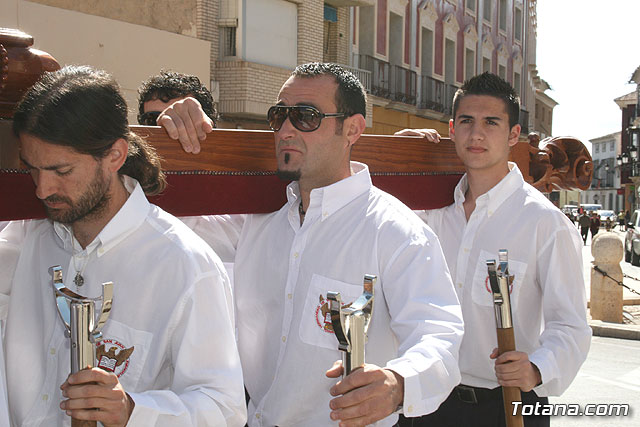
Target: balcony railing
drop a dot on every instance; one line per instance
(403, 85)
(436, 95)
(390, 81)
(379, 75)
(363, 75)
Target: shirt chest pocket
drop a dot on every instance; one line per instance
(315, 328)
(124, 351)
(481, 288)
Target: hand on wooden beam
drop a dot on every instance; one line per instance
(431, 135)
(185, 121)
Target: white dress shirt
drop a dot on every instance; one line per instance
(548, 295)
(172, 305)
(283, 272)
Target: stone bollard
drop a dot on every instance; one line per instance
(606, 295)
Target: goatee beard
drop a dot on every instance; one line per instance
(288, 175)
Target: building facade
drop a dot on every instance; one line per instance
(411, 55)
(605, 186)
(630, 144)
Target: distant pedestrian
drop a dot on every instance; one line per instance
(585, 222)
(621, 223)
(595, 224)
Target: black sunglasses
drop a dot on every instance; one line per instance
(149, 118)
(303, 117)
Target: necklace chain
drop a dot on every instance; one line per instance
(79, 279)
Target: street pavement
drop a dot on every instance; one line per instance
(610, 375)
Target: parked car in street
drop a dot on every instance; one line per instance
(607, 217)
(591, 207)
(632, 240)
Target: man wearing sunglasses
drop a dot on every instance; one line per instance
(335, 228)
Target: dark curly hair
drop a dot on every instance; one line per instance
(491, 85)
(82, 108)
(169, 85)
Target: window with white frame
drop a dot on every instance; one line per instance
(486, 65)
(516, 82)
(502, 17)
(487, 9)
(517, 24)
(469, 63)
(471, 5)
(596, 147)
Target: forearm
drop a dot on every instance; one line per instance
(427, 320)
(201, 406)
(566, 338)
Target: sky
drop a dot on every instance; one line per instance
(587, 51)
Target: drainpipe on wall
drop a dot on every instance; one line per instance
(480, 16)
(413, 10)
(352, 16)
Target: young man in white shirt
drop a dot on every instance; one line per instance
(170, 331)
(495, 209)
(335, 228)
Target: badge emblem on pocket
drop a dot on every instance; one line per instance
(112, 361)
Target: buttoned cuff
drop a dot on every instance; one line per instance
(144, 412)
(410, 401)
(545, 361)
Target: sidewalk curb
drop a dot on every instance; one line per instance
(615, 330)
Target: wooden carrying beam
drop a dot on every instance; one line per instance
(235, 171)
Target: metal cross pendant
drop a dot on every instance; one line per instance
(78, 280)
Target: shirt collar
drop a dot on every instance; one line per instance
(493, 198)
(124, 222)
(327, 200)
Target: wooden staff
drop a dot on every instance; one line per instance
(500, 281)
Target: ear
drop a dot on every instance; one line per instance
(353, 127)
(514, 135)
(452, 131)
(117, 155)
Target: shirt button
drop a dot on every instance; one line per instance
(325, 214)
(45, 397)
(284, 339)
(100, 251)
(490, 212)
(459, 284)
(295, 255)
(410, 408)
(466, 249)
(289, 296)
(258, 416)
(52, 351)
